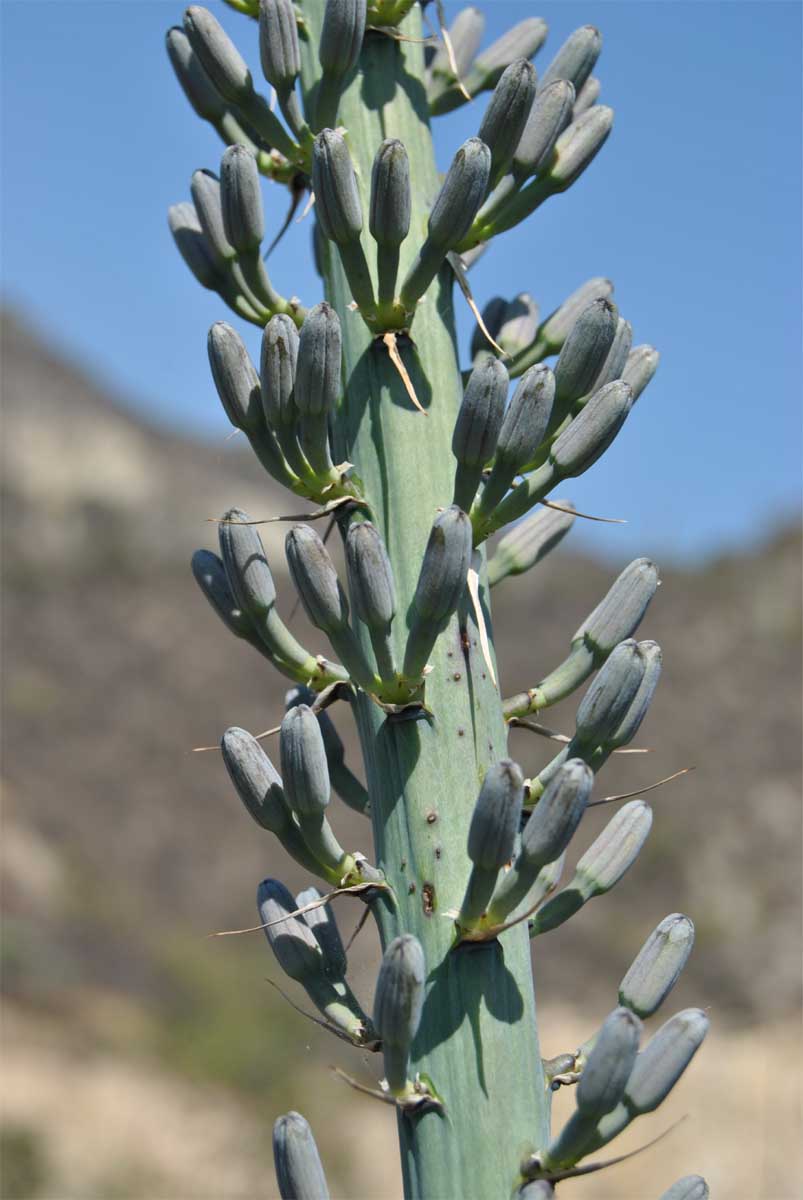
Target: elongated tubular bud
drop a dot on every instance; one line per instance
(576, 58)
(492, 316)
(621, 610)
(477, 427)
(690, 1187)
(587, 96)
(299, 1173)
(453, 212)
(317, 386)
(210, 575)
(304, 768)
(617, 356)
(610, 694)
(441, 583)
(465, 34)
(526, 421)
(259, 787)
(518, 325)
(506, 115)
(278, 44)
(321, 921)
(337, 199)
(338, 50)
(246, 564)
(398, 1002)
(373, 591)
(591, 432)
(521, 41)
(389, 213)
(278, 361)
(583, 355)
(550, 114)
(219, 56)
(195, 248)
(664, 1059)
(636, 711)
(641, 365)
(205, 191)
(202, 94)
(530, 541)
(601, 867)
(491, 837)
(549, 829)
(343, 781)
(235, 378)
(605, 1075)
(656, 968)
(553, 332)
(241, 200)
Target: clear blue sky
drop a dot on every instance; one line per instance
(693, 209)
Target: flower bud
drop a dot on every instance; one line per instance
(315, 579)
(551, 825)
(205, 191)
(371, 585)
(587, 95)
(518, 325)
(507, 113)
(550, 114)
(628, 727)
(299, 1173)
(585, 350)
(496, 817)
(210, 575)
(341, 36)
(241, 199)
(592, 430)
(305, 771)
(492, 316)
(620, 612)
(236, 380)
(319, 361)
(255, 779)
(614, 851)
(611, 693)
(277, 370)
(321, 921)
(194, 248)
(690, 1187)
(641, 365)
(195, 83)
(461, 194)
(440, 586)
(389, 213)
(337, 198)
(481, 413)
(529, 541)
(605, 1075)
(399, 994)
(578, 146)
(521, 41)
(617, 355)
(246, 564)
(526, 419)
(219, 56)
(291, 939)
(557, 327)
(576, 58)
(278, 43)
(657, 966)
(664, 1059)
(536, 1189)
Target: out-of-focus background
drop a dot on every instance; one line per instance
(143, 1059)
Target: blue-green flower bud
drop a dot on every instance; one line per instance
(605, 1075)
(492, 316)
(641, 365)
(620, 612)
(373, 592)
(518, 325)
(389, 213)
(399, 994)
(246, 564)
(299, 1173)
(585, 350)
(321, 921)
(551, 825)
(195, 83)
(291, 939)
(319, 364)
(551, 113)
(617, 357)
(278, 43)
(315, 579)
(241, 200)
(461, 194)
(277, 370)
(664, 1059)
(507, 113)
(614, 851)
(210, 575)
(305, 771)
(441, 583)
(481, 413)
(536, 1189)
(656, 968)
(591, 432)
(578, 146)
(465, 34)
(337, 197)
(521, 41)
(629, 726)
(576, 58)
(194, 247)
(610, 694)
(341, 36)
(690, 1187)
(557, 327)
(205, 191)
(529, 541)
(255, 779)
(526, 418)
(236, 380)
(219, 56)
(496, 817)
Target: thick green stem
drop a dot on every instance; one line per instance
(477, 1040)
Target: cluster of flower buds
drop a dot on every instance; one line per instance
(299, 1172)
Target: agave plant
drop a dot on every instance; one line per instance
(359, 406)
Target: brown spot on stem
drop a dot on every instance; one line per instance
(432, 817)
(428, 899)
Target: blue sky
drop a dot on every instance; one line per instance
(693, 209)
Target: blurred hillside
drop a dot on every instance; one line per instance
(122, 848)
